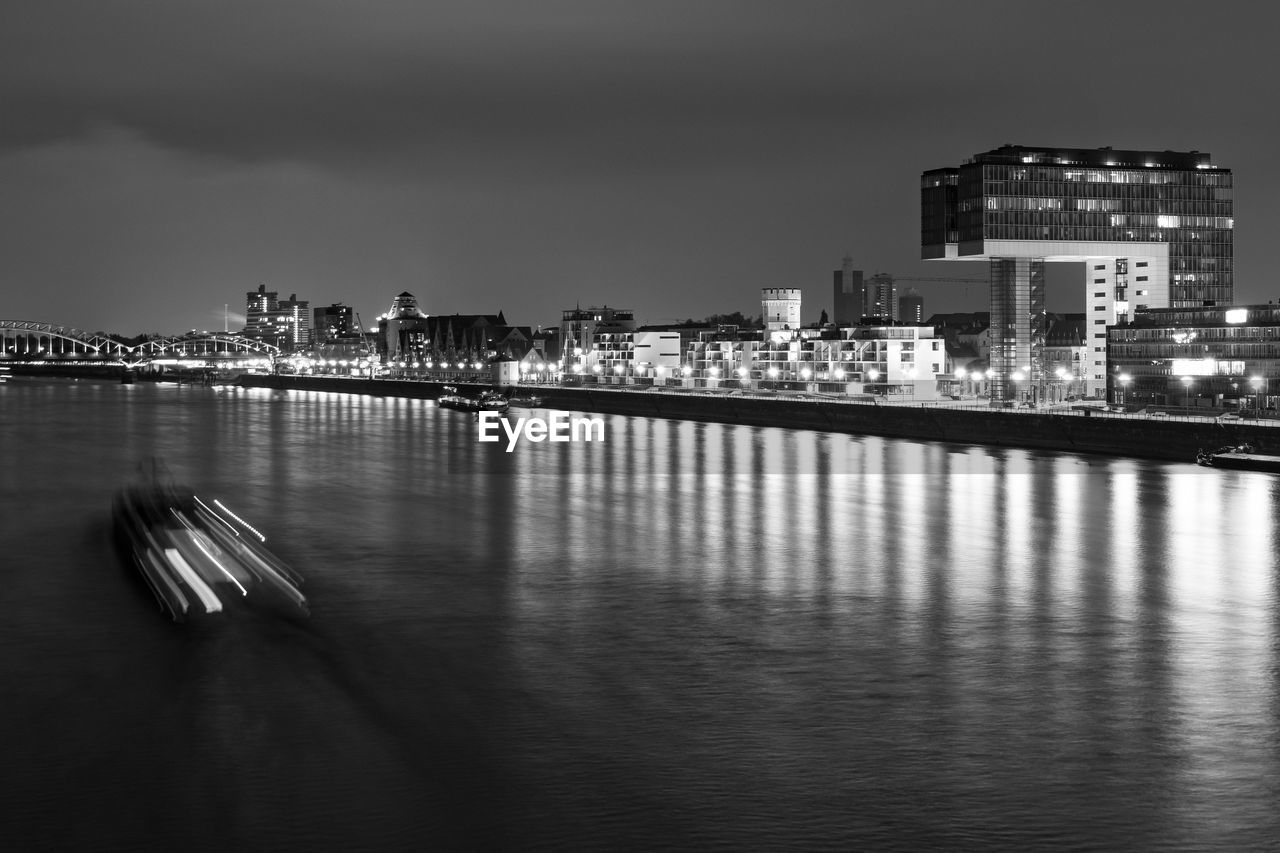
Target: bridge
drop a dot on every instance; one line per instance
(27, 342)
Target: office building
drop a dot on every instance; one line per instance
(295, 316)
(332, 322)
(1152, 229)
(879, 298)
(847, 296)
(911, 307)
(282, 323)
(1217, 357)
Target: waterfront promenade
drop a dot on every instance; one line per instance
(1174, 438)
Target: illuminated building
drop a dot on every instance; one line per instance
(332, 322)
(911, 307)
(601, 338)
(283, 323)
(1152, 229)
(1216, 356)
(781, 308)
(880, 298)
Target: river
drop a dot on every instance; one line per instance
(684, 636)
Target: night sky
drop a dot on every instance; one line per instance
(159, 159)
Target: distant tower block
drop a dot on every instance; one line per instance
(781, 306)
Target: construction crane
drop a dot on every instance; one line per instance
(367, 348)
(942, 279)
(928, 278)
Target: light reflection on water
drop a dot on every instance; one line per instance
(691, 634)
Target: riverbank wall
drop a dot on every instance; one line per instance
(1175, 439)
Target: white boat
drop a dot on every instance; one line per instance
(1239, 457)
(198, 557)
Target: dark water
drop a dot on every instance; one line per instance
(689, 636)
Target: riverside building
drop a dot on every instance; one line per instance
(1153, 229)
(284, 323)
(1213, 357)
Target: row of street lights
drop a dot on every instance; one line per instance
(1259, 383)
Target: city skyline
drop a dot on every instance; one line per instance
(160, 161)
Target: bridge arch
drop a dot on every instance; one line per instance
(28, 341)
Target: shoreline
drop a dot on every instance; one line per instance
(1170, 439)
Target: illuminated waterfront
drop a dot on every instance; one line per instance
(686, 635)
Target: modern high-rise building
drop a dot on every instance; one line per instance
(880, 297)
(1151, 228)
(911, 307)
(296, 316)
(332, 322)
(261, 310)
(846, 297)
(282, 323)
(780, 307)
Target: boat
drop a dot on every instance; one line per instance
(490, 401)
(199, 559)
(1239, 457)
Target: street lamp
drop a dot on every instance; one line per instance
(1256, 382)
(1017, 377)
(1124, 387)
(1186, 384)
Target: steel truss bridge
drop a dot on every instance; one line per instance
(29, 342)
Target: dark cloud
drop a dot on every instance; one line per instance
(672, 156)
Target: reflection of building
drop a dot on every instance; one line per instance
(1153, 229)
(1212, 356)
(781, 307)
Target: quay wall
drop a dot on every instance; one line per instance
(1171, 439)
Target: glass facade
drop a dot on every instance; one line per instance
(1017, 326)
(1196, 356)
(1155, 229)
(1091, 196)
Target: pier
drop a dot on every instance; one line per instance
(1073, 431)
